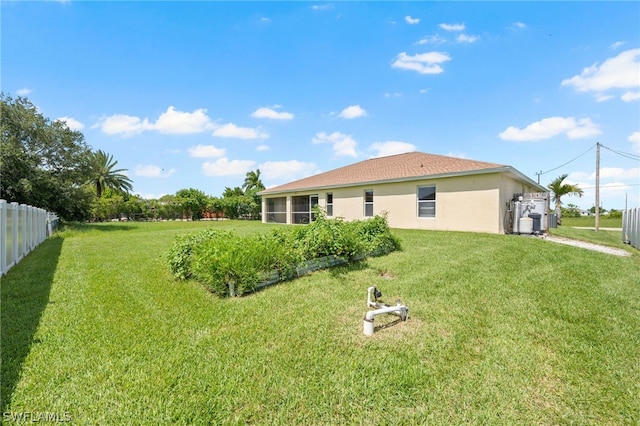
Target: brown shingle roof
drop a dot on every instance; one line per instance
(395, 167)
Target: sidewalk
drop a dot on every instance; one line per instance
(588, 246)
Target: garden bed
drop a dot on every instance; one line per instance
(230, 265)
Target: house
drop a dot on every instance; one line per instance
(416, 190)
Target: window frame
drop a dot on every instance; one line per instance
(303, 216)
(368, 203)
(420, 202)
(329, 206)
(276, 216)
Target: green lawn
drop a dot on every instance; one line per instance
(503, 330)
(572, 228)
(605, 221)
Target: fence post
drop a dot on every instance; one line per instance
(635, 227)
(29, 228)
(42, 222)
(14, 232)
(3, 237)
(631, 227)
(22, 240)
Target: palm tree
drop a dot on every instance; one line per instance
(252, 182)
(560, 189)
(102, 174)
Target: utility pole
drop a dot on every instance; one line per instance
(539, 176)
(597, 186)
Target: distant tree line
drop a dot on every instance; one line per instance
(46, 164)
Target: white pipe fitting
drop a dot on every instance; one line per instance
(368, 326)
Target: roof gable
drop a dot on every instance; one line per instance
(412, 165)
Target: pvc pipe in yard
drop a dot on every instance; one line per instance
(367, 327)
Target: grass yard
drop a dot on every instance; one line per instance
(605, 221)
(572, 228)
(503, 330)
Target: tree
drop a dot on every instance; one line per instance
(252, 182)
(231, 192)
(193, 202)
(560, 189)
(42, 162)
(103, 175)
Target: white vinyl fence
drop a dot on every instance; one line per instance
(22, 228)
(631, 227)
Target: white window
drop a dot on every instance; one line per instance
(426, 201)
(368, 203)
(329, 204)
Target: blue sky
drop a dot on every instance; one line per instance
(196, 94)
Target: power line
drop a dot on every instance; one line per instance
(623, 154)
(568, 162)
(623, 185)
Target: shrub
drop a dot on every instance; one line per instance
(230, 265)
(615, 214)
(375, 236)
(226, 265)
(327, 237)
(179, 255)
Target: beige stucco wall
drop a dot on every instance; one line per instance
(475, 203)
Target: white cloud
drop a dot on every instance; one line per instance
(353, 111)
(122, 124)
(452, 27)
(23, 91)
(550, 127)
(263, 148)
(326, 6)
(287, 170)
(383, 149)
(575, 177)
(206, 151)
(343, 145)
(603, 98)
(170, 121)
(619, 173)
(520, 25)
(634, 138)
(630, 96)
(423, 63)
(224, 167)
(179, 122)
(617, 44)
(151, 171)
(619, 72)
(465, 38)
(272, 114)
(230, 130)
(392, 95)
(584, 128)
(616, 175)
(432, 39)
(411, 21)
(612, 193)
(72, 123)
